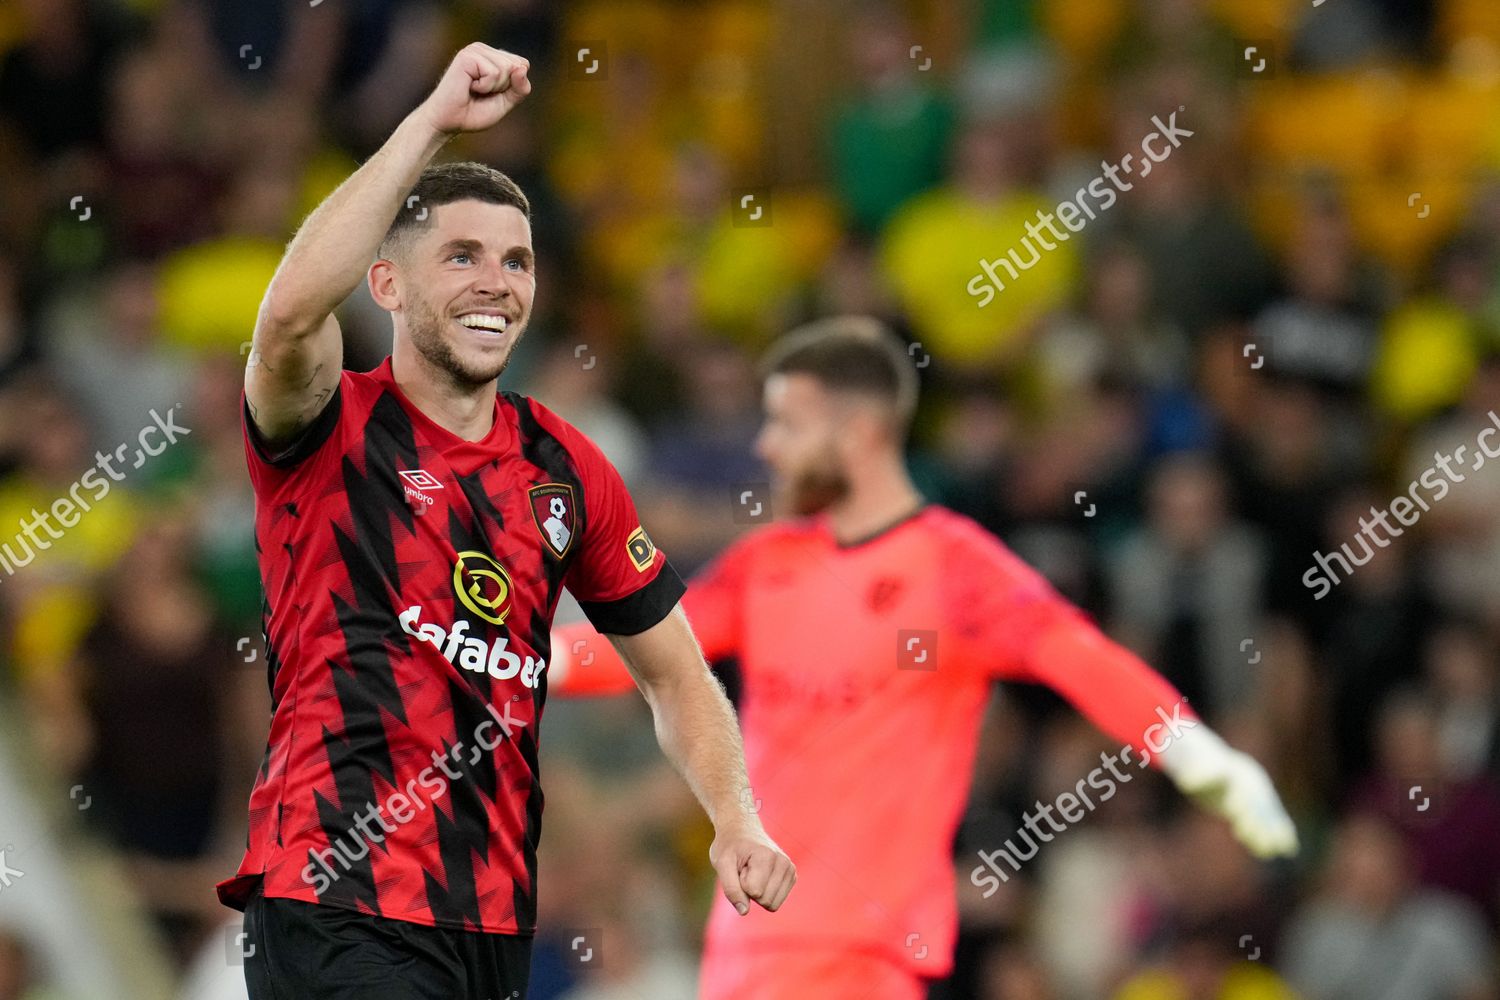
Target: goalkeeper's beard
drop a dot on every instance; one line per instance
(426, 329)
(817, 486)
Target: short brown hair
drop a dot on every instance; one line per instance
(442, 184)
(857, 354)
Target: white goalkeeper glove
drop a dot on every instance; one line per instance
(1232, 784)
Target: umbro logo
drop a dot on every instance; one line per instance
(416, 481)
(420, 479)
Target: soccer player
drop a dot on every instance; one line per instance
(868, 632)
(415, 529)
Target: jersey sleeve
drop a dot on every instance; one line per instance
(585, 663)
(623, 582)
(714, 602)
(999, 606)
(287, 468)
(1013, 625)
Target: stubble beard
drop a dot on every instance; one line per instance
(818, 487)
(425, 327)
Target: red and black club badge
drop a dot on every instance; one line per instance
(553, 511)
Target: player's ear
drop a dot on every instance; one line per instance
(384, 286)
(868, 423)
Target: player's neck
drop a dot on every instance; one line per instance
(876, 501)
(468, 412)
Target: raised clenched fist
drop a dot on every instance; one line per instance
(478, 88)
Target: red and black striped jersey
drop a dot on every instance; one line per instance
(410, 581)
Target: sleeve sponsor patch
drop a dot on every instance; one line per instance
(642, 553)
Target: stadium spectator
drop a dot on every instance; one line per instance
(1431, 345)
(106, 348)
(150, 681)
(933, 251)
(1462, 533)
(1186, 588)
(1377, 621)
(1450, 823)
(1372, 933)
(888, 139)
(1460, 668)
(1115, 330)
(50, 570)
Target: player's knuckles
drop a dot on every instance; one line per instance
(767, 860)
(503, 60)
(759, 882)
(755, 883)
(488, 54)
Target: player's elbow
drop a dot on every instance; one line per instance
(287, 316)
(287, 330)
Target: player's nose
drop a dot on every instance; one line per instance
(490, 281)
(765, 447)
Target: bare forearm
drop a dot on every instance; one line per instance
(696, 727)
(332, 250)
(697, 730)
(695, 723)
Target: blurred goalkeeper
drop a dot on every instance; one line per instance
(868, 633)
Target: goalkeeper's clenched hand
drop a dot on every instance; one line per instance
(1233, 785)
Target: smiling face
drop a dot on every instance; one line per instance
(461, 290)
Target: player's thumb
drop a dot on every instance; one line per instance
(728, 869)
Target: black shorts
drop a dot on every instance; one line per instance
(300, 951)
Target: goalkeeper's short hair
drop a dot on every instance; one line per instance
(854, 354)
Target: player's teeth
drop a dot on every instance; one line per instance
(479, 322)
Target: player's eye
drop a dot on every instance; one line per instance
(458, 255)
(519, 265)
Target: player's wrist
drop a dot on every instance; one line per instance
(735, 818)
(1234, 785)
(424, 125)
(1197, 758)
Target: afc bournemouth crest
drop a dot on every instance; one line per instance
(552, 510)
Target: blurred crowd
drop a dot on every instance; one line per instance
(1258, 344)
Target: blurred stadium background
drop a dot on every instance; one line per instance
(1169, 414)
